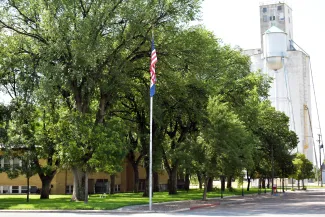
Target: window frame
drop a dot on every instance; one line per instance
(6, 163)
(15, 188)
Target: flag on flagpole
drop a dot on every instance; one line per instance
(152, 69)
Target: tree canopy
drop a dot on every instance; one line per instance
(77, 74)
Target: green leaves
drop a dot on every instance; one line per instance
(303, 167)
(77, 72)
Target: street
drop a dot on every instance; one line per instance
(310, 203)
(299, 203)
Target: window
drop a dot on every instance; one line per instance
(272, 18)
(117, 188)
(142, 184)
(33, 189)
(23, 189)
(6, 163)
(15, 189)
(264, 18)
(68, 189)
(289, 19)
(5, 189)
(264, 10)
(16, 163)
(163, 187)
(280, 8)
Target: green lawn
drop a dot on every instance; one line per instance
(62, 202)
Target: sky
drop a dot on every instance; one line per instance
(237, 23)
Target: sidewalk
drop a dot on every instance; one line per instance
(179, 206)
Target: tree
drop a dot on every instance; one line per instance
(303, 168)
(28, 168)
(26, 123)
(29, 132)
(182, 94)
(276, 139)
(85, 52)
(244, 91)
(222, 135)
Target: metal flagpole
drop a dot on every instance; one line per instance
(152, 92)
(150, 157)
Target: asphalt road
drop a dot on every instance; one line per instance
(306, 203)
(310, 203)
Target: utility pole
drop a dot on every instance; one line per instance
(272, 171)
(320, 161)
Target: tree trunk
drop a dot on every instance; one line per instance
(223, 183)
(155, 187)
(229, 178)
(78, 193)
(136, 177)
(268, 182)
(210, 184)
(303, 183)
(263, 183)
(187, 182)
(248, 183)
(146, 188)
(46, 186)
(298, 184)
(199, 178)
(206, 180)
(27, 189)
(172, 182)
(86, 188)
(112, 177)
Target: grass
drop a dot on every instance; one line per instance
(62, 202)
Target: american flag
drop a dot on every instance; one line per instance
(152, 69)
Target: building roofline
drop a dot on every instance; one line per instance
(274, 2)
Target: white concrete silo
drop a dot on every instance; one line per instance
(290, 91)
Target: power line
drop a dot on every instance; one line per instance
(312, 80)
